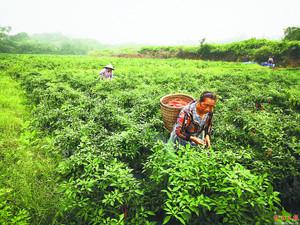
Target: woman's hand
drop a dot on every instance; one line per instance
(207, 141)
(198, 141)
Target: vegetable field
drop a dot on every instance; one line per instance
(108, 143)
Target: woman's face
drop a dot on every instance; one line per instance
(207, 105)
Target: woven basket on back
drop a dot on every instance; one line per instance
(170, 113)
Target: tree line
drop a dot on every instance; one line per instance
(285, 51)
(45, 43)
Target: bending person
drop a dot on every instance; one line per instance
(194, 122)
(107, 72)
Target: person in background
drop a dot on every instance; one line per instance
(271, 60)
(194, 122)
(107, 72)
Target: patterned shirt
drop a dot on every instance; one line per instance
(106, 74)
(189, 123)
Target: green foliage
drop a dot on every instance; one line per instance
(292, 34)
(4, 31)
(26, 161)
(258, 50)
(99, 189)
(9, 214)
(114, 169)
(47, 43)
(207, 187)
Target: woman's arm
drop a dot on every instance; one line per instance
(207, 131)
(102, 72)
(183, 121)
(197, 140)
(207, 141)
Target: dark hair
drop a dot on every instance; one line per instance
(207, 94)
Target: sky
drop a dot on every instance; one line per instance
(161, 22)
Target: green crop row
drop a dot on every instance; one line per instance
(116, 167)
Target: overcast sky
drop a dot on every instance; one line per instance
(152, 21)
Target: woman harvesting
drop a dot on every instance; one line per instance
(107, 72)
(194, 122)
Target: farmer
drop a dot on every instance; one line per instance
(194, 122)
(271, 63)
(107, 72)
(270, 60)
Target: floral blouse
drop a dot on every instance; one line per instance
(190, 124)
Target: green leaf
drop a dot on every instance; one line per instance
(139, 192)
(167, 219)
(168, 205)
(180, 219)
(220, 212)
(239, 192)
(150, 213)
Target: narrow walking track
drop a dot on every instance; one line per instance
(27, 178)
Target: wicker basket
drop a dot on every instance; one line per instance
(170, 113)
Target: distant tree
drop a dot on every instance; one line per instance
(202, 41)
(292, 34)
(6, 45)
(205, 51)
(20, 36)
(4, 31)
(50, 43)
